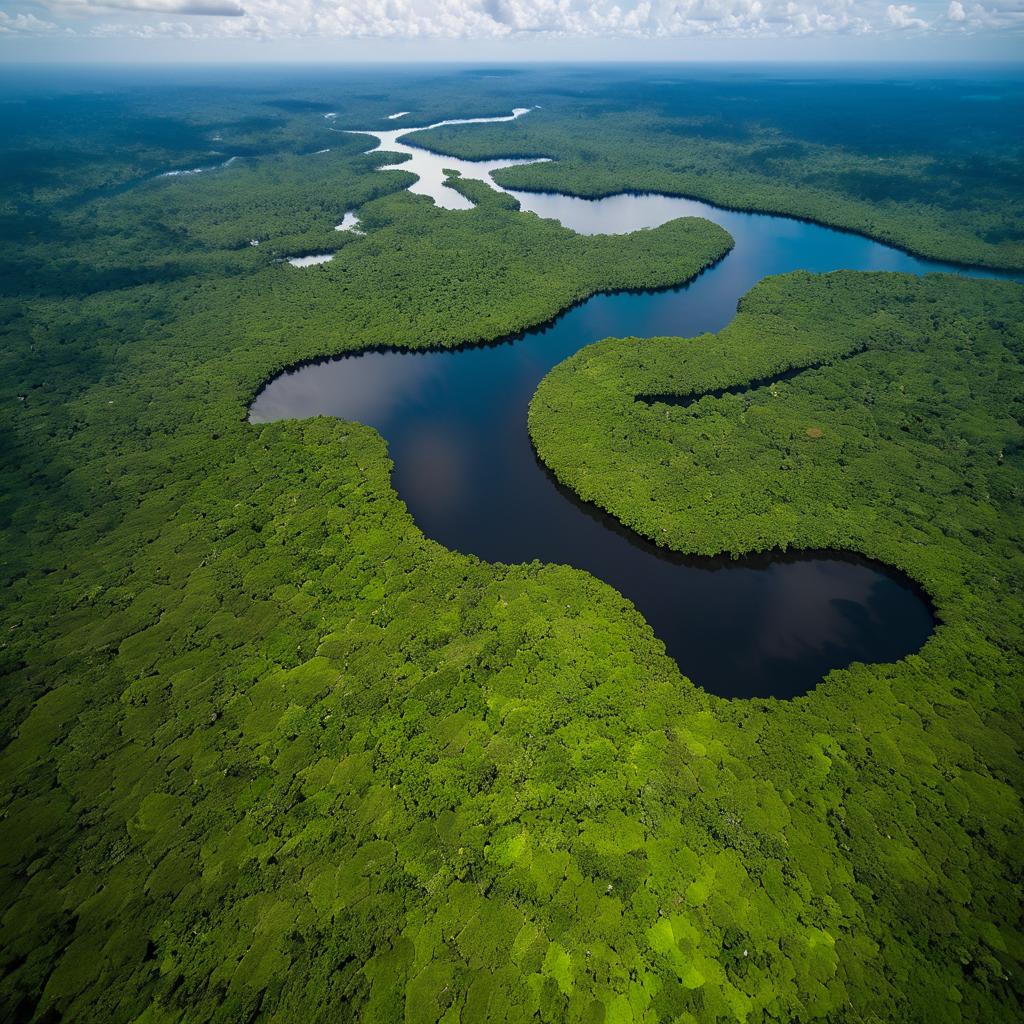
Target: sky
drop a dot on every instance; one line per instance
(514, 30)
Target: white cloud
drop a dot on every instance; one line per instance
(145, 30)
(206, 8)
(902, 16)
(505, 19)
(993, 15)
(25, 24)
(203, 8)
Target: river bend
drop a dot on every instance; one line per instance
(455, 423)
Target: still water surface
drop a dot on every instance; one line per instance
(455, 422)
(430, 167)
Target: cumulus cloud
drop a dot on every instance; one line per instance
(203, 8)
(503, 19)
(25, 24)
(145, 30)
(993, 15)
(902, 16)
(206, 8)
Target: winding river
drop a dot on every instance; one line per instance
(455, 423)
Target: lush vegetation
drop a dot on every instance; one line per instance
(935, 167)
(175, 836)
(901, 439)
(269, 753)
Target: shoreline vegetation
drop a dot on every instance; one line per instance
(270, 752)
(978, 259)
(770, 148)
(1014, 266)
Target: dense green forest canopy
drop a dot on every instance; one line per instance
(270, 753)
(935, 167)
(931, 161)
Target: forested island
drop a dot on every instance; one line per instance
(271, 753)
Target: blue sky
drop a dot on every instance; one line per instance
(218, 30)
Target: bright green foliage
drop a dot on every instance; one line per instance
(908, 451)
(258, 725)
(270, 754)
(910, 398)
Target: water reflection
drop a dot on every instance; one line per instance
(455, 422)
(430, 167)
(373, 388)
(350, 222)
(314, 260)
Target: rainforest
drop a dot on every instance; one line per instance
(521, 543)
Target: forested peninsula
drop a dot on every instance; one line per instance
(902, 440)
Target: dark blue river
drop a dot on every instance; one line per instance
(455, 422)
